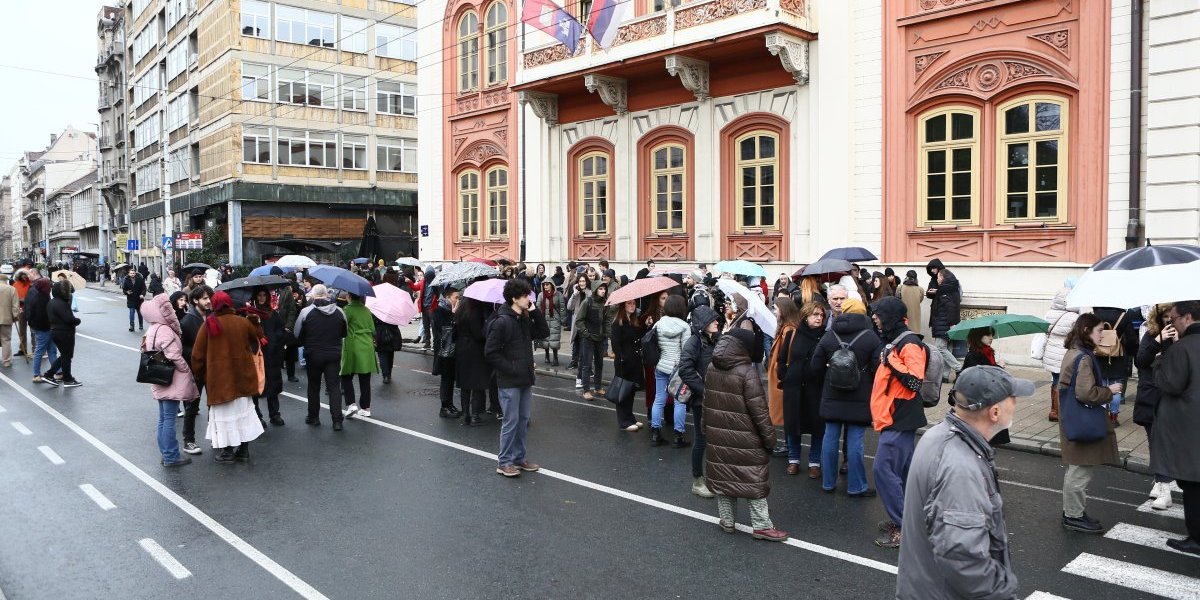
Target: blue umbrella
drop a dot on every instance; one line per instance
(361, 261)
(851, 254)
(740, 267)
(269, 270)
(337, 277)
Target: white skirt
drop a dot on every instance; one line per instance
(232, 423)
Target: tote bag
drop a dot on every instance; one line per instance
(1081, 422)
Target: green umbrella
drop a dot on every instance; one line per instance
(1005, 326)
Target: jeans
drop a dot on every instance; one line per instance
(893, 456)
(943, 348)
(699, 442)
(42, 344)
(660, 401)
(327, 365)
(856, 472)
(795, 448)
(132, 312)
(168, 444)
(591, 362)
(516, 403)
(1075, 483)
(65, 342)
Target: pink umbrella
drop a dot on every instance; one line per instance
(488, 290)
(392, 305)
(640, 288)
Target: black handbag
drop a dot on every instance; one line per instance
(155, 368)
(649, 348)
(447, 344)
(620, 389)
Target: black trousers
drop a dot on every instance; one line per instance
(473, 402)
(291, 354)
(624, 407)
(65, 341)
(364, 386)
(426, 321)
(272, 406)
(327, 365)
(446, 386)
(191, 410)
(699, 441)
(1191, 507)
(385, 363)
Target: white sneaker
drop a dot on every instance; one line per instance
(366, 412)
(579, 384)
(1174, 485)
(1163, 502)
(191, 448)
(350, 410)
(633, 427)
(1157, 490)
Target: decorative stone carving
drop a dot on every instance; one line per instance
(479, 152)
(922, 62)
(792, 52)
(1059, 40)
(641, 30)
(544, 106)
(458, 142)
(467, 103)
(501, 134)
(958, 79)
(692, 73)
(546, 56)
(714, 11)
(495, 97)
(796, 7)
(988, 77)
(1018, 70)
(613, 91)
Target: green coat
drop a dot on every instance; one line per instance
(358, 351)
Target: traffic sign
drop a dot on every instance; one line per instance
(131, 245)
(168, 243)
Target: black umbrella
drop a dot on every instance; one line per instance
(240, 289)
(825, 266)
(1148, 256)
(194, 266)
(1149, 275)
(851, 254)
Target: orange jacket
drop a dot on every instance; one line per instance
(908, 359)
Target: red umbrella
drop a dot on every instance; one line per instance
(640, 288)
(486, 261)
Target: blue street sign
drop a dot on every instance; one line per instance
(424, 231)
(131, 245)
(168, 243)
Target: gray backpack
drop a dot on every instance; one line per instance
(844, 372)
(935, 368)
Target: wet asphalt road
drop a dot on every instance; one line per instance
(406, 505)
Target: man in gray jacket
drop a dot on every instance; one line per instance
(955, 543)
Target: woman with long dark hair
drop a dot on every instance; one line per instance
(649, 316)
(272, 351)
(672, 332)
(788, 315)
(473, 376)
(445, 362)
(553, 308)
(1160, 335)
(802, 385)
(626, 333)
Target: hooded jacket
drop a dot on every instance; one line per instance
(165, 335)
(37, 303)
(847, 406)
(698, 352)
(190, 324)
(509, 348)
(321, 327)
(58, 310)
(894, 401)
(947, 300)
(1062, 320)
(737, 423)
(672, 334)
(955, 540)
(553, 308)
(593, 319)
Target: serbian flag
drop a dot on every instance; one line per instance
(553, 20)
(605, 19)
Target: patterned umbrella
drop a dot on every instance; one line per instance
(640, 288)
(1141, 276)
(459, 275)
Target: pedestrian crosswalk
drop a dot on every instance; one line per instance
(1144, 536)
(1135, 577)
(1175, 511)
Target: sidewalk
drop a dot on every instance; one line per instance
(1031, 431)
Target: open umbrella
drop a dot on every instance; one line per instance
(76, 280)
(755, 307)
(640, 288)
(392, 305)
(1141, 276)
(825, 266)
(408, 261)
(680, 270)
(361, 261)
(458, 275)
(241, 288)
(337, 277)
(120, 266)
(484, 261)
(196, 267)
(296, 261)
(740, 267)
(270, 270)
(1005, 326)
(488, 290)
(851, 254)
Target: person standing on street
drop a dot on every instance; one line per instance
(272, 352)
(22, 281)
(912, 295)
(593, 327)
(223, 359)
(671, 332)
(509, 351)
(472, 374)
(165, 336)
(320, 329)
(554, 308)
(62, 331)
(288, 309)
(946, 294)
(444, 354)
(1082, 382)
(10, 309)
(1160, 335)
(693, 368)
(802, 388)
(846, 408)
(134, 289)
(37, 305)
(739, 435)
(358, 356)
(956, 542)
(201, 305)
(1062, 320)
(896, 411)
(1175, 451)
(626, 335)
(1117, 367)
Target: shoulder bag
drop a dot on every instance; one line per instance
(1081, 422)
(154, 366)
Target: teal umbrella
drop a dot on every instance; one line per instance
(1005, 326)
(740, 267)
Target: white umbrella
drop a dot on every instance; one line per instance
(296, 261)
(754, 306)
(409, 261)
(1139, 287)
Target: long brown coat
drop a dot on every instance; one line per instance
(737, 424)
(225, 363)
(1090, 392)
(912, 296)
(777, 365)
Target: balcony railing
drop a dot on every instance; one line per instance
(110, 177)
(106, 141)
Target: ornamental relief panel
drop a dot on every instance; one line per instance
(591, 250)
(796, 7)
(546, 56)
(495, 97)
(985, 20)
(922, 62)
(1059, 40)
(985, 77)
(641, 30)
(714, 11)
(757, 249)
(666, 250)
(479, 152)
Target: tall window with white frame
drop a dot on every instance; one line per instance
(757, 176)
(468, 205)
(468, 52)
(354, 152)
(256, 82)
(497, 205)
(948, 161)
(593, 193)
(353, 34)
(496, 36)
(1032, 165)
(396, 98)
(667, 174)
(394, 41)
(399, 155)
(354, 92)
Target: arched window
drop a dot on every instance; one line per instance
(497, 202)
(948, 158)
(667, 176)
(468, 52)
(468, 204)
(496, 35)
(1031, 170)
(757, 174)
(593, 193)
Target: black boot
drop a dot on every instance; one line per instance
(225, 456)
(548, 356)
(243, 452)
(656, 438)
(680, 442)
(555, 361)
(449, 412)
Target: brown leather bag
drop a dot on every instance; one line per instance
(1110, 341)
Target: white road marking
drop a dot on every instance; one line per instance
(100, 499)
(831, 552)
(275, 569)
(50, 454)
(96, 339)
(1144, 536)
(164, 558)
(1149, 580)
(1175, 512)
(1044, 596)
(3, 410)
(20, 427)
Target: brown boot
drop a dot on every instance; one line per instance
(1053, 404)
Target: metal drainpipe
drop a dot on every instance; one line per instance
(1134, 229)
(524, 201)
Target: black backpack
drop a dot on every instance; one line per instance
(844, 373)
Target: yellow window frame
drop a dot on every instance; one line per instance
(468, 205)
(667, 172)
(497, 54)
(497, 203)
(757, 163)
(595, 179)
(468, 52)
(947, 146)
(1031, 137)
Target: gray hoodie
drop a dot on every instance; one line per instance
(672, 334)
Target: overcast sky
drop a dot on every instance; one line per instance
(47, 35)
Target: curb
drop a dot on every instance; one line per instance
(1029, 445)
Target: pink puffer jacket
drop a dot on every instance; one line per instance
(165, 335)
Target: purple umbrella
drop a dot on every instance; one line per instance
(488, 290)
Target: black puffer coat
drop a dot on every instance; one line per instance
(737, 424)
(803, 384)
(697, 353)
(947, 301)
(442, 320)
(272, 326)
(842, 406)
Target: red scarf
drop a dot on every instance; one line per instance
(989, 354)
(548, 303)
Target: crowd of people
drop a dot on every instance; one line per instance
(845, 358)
